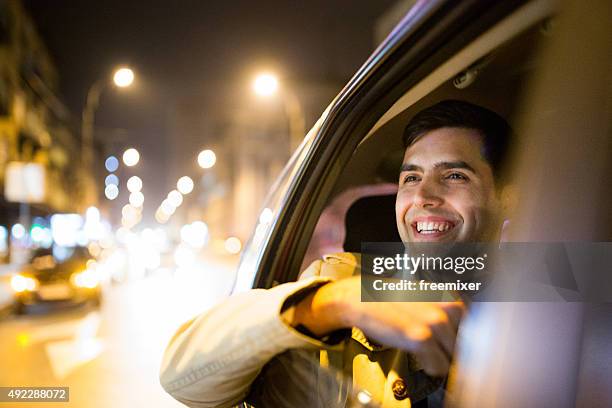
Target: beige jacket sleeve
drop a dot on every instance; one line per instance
(212, 360)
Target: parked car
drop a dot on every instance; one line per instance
(48, 282)
(544, 66)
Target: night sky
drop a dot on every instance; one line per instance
(194, 47)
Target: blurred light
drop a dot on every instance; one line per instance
(265, 84)
(233, 245)
(131, 217)
(21, 283)
(153, 261)
(85, 279)
(167, 207)
(123, 77)
(111, 163)
(161, 216)
(37, 233)
(137, 199)
(175, 198)
(111, 179)
(23, 339)
(207, 159)
(185, 185)
(195, 234)
(47, 240)
(184, 256)
(3, 239)
(92, 215)
(106, 242)
(18, 231)
(134, 184)
(122, 234)
(364, 397)
(128, 211)
(266, 216)
(65, 229)
(61, 253)
(111, 191)
(131, 157)
(94, 249)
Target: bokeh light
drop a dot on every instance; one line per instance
(18, 231)
(266, 216)
(111, 163)
(111, 191)
(175, 198)
(131, 157)
(185, 185)
(265, 84)
(134, 184)
(233, 245)
(111, 179)
(195, 234)
(167, 207)
(207, 158)
(136, 199)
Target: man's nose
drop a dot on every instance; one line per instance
(428, 194)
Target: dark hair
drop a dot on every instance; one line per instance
(495, 131)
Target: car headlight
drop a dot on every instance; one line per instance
(21, 283)
(85, 279)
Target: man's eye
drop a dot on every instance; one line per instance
(410, 178)
(456, 176)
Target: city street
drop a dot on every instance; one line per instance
(110, 357)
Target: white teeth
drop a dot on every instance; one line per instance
(424, 227)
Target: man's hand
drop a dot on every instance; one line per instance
(427, 330)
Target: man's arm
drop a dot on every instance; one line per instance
(213, 359)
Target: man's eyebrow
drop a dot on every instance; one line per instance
(410, 167)
(446, 165)
(459, 164)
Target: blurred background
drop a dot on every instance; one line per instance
(137, 143)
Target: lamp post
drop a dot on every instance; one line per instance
(122, 78)
(267, 84)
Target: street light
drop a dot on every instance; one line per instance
(265, 85)
(122, 77)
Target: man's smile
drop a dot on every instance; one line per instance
(432, 227)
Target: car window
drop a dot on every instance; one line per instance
(269, 213)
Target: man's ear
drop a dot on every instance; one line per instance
(509, 196)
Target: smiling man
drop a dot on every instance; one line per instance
(248, 347)
(451, 187)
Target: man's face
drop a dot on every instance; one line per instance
(446, 190)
